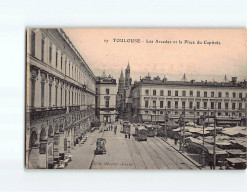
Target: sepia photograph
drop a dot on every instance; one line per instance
(136, 98)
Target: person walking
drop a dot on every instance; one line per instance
(176, 139)
(210, 163)
(115, 130)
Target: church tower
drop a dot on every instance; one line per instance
(121, 84)
(127, 76)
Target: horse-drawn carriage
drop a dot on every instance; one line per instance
(100, 146)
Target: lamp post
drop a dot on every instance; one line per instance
(203, 151)
(214, 148)
(194, 116)
(166, 120)
(181, 123)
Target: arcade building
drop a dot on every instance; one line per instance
(60, 97)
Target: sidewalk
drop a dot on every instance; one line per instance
(83, 154)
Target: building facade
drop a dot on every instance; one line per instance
(106, 93)
(60, 97)
(153, 98)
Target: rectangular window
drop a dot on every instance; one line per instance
(205, 105)
(161, 104)
(154, 104)
(65, 98)
(227, 94)
(107, 91)
(61, 96)
(219, 105)
(49, 95)
(33, 43)
(161, 93)
(198, 94)
(42, 49)
(146, 103)
(191, 105)
(154, 92)
(65, 66)
(233, 106)
(234, 95)
(240, 105)
(56, 96)
(176, 104)
(240, 95)
(169, 93)
(191, 93)
(212, 105)
(212, 94)
(56, 58)
(32, 92)
(197, 105)
(61, 63)
(169, 104)
(183, 104)
(42, 93)
(50, 54)
(147, 92)
(176, 93)
(205, 94)
(226, 105)
(184, 93)
(219, 94)
(107, 103)
(69, 69)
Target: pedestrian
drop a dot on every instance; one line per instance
(129, 135)
(210, 163)
(115, 130)
(176, 139)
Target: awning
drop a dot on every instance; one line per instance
(236, 160)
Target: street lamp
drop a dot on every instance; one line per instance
(181, 141)
(166, 120)
(194, 116)
(203, 152)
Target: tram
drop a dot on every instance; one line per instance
(141, 133)
(126, 127)
(151, 130)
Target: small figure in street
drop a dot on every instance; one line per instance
(227, 167)
(115, 130)
(210, 163)
(176, 139)
(129, 135)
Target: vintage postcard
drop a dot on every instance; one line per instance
(136, 98)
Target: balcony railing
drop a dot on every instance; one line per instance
(39, 113)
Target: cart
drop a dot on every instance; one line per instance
(100, 146)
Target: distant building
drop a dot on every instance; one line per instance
(60, 97)
(106, 92)
(152, 98)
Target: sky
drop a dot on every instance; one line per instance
(170, 52)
